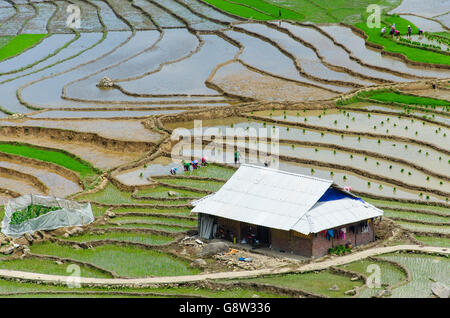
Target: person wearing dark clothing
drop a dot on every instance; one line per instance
(236, 157)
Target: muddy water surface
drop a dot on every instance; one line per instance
(187, 76)
(357, 45)
(236, 79)
(159, 166)
(120, 129)
(38, 24)
(58, 184)
(334, 54)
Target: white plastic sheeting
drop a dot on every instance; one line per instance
(71, 213)
(206, 226)
(282, 200)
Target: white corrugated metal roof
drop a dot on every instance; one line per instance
(282, 200)
(330, 214)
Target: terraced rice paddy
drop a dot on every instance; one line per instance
(424, 270)
(124, 261)
(342, 109)
(390, 275)
(312, 282)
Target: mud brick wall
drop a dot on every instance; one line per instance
(321, 244)
(281, 240)
(301, 246)
(290, 243)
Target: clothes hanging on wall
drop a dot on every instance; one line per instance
(342, 233)
(330, 234)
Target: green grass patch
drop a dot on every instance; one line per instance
(269, 9)
(48, 267)
(15, 45)
(151, 239)
(53, 156)
(390, 45)
(197, 184)
(314, 282)
(303, 10)
(125, 261)
(239, 10)
(387, 97)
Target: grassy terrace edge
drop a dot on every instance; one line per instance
(56, 156)
(387, 96)
(19, 44)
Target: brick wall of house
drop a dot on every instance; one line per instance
(311, 246)
(321, 244)
(290, 243)
(281, 240)
(301, 245)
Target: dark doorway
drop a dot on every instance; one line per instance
(263, 234)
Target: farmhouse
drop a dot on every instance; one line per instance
(285, 211)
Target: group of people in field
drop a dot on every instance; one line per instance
(187, 165)
(195, 164)
(394, 32)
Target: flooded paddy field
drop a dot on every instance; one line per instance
(38, 24)
(57, 184)
(356, 45)
(14, 25)
(97, 155)
(118, 129)
(236, 79)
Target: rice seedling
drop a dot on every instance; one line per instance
(125, 261)
(424, 270)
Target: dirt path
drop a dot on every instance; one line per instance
(141, 282)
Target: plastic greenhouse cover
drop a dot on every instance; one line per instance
(71, 213)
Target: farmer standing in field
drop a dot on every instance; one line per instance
(237, 156)
(409, 31)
